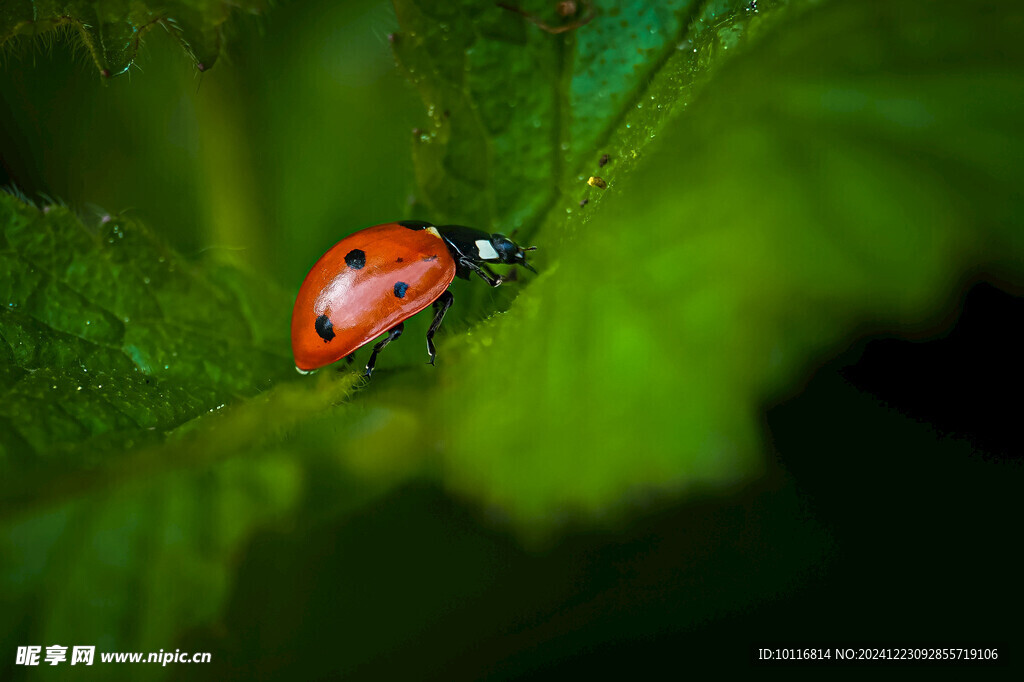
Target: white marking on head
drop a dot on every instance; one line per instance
(485, 250)
(432, 230)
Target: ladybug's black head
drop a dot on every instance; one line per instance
(510, 252)
(470, 245)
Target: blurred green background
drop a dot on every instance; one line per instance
(757, 395)
(269, 153)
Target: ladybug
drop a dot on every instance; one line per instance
(374, 279)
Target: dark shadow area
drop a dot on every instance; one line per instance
(889, 518)
(966, 385)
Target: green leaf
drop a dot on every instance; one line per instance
(112, 31)
(119, 487)
(130, 557)
(838, 175)
(109, 340)
(520, 117)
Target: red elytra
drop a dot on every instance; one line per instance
(373, 280)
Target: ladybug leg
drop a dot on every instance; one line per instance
(441, 306)
(395, 332)
(495, 279)
(484, 271)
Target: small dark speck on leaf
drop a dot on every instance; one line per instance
(584, 202)
(605, 158)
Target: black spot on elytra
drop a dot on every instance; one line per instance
(430, 258)
(355, 259)
(400, 288)
(400, 260)
(415, 224)
(324, 328)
